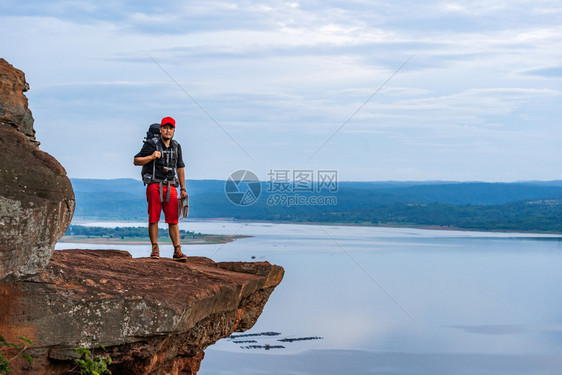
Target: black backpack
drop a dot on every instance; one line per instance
(153, 132)
(153, 136)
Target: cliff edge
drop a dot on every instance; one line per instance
(153, 316)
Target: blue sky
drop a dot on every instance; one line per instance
(479, 98)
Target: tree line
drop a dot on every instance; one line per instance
(122, 232)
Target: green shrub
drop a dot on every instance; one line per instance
(91, 364)
(18, 347)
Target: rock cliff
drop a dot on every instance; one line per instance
(153, 316)
(36, 197)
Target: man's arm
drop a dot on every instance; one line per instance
(181, 177)
(142, 160)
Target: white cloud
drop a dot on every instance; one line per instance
(472, 7)
(285, 75)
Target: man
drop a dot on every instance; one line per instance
(162, 157)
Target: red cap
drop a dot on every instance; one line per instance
(168, 120)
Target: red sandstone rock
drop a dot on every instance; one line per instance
(36, 198)
(13, 103)
(153, 316)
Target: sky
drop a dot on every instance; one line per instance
(462, 90)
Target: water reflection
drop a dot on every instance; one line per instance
(494, 329)
(266, 340)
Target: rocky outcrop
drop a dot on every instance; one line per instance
(153, 316)
(36, 197)
(13, 103)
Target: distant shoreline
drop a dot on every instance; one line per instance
(411, 226)
(203, 240)
(347, 224)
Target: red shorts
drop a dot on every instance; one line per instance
(155, 206)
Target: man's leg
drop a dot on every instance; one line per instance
(154, 207)
(174, 234)
(175, 237)
(171, 214)
(153, 232)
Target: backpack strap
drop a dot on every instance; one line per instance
(157, 143)
(158, 148)
(162, 183)
(175, 152)
(171, 162)
(168, 193)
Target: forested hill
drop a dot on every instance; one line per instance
(523, 206)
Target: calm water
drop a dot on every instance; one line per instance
(393, 301)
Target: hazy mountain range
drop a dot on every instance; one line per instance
(522, 206)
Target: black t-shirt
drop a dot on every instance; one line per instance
(148, 149)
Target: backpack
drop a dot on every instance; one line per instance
(170, 158)
(152, 132)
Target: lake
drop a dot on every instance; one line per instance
(372, 300)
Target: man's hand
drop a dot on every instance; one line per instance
(143, 160)
(183, 193)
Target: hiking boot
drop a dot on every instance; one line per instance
(155, 254)
(178, 255)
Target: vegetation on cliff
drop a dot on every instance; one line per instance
(16, 349)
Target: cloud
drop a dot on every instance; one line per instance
(474, 7)
(547, 72)
(282, 76)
